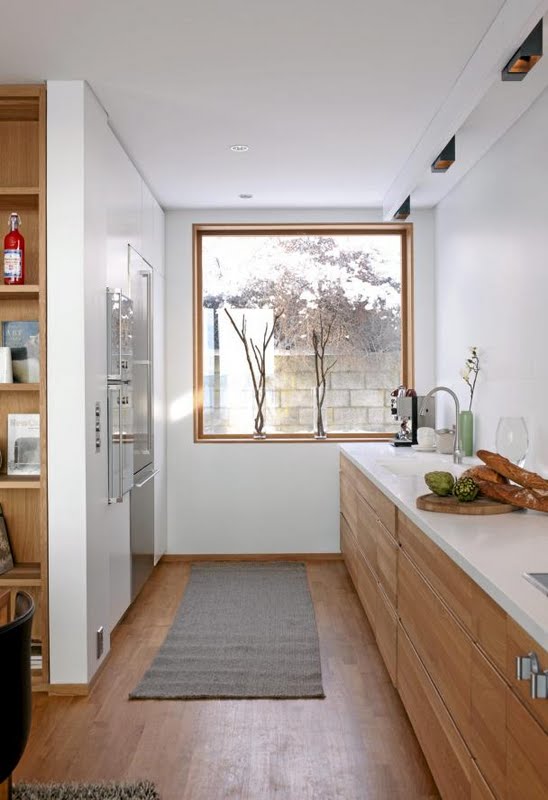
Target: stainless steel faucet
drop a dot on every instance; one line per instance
(457, 453)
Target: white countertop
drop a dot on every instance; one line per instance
(494, 551)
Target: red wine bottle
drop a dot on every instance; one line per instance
(14, 253)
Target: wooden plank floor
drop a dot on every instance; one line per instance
(357, 744)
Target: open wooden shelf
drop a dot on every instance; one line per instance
(25, 292)
(18, 191)
(19, 387)
(22, 575)
(24, 497)
(19, 482)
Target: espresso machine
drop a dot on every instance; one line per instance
(405, 406)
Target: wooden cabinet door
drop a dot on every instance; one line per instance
(519, 643)
(441, 643)
(450, 582)
(366, 533)
(440, 740)
(387, 562)
(363, 579)
(480, 789)
(348, 501)
(488, 722)
(527, 756)
(386, 632)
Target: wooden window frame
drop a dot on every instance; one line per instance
(405, 230)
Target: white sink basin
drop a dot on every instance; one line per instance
(417, 466)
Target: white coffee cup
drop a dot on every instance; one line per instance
(426, 437)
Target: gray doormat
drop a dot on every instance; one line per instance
(243, 630)
(85, 791)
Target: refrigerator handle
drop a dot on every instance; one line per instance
(148, 276)
(120, 498)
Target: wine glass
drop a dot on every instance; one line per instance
(512, 439)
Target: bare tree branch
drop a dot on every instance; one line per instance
(258, 369)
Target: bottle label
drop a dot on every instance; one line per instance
(13, 264)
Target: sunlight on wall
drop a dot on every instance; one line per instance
(181, 407)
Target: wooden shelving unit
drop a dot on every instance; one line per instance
(24, 499)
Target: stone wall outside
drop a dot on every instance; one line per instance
(357, 397)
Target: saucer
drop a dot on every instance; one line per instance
(422, 448)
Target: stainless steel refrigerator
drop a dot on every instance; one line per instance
(119, 394)
(142, 493)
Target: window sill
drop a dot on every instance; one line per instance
(280, 438)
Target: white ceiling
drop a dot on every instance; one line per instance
(332, 98)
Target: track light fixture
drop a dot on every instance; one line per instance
(445, 158)
(404, 210)
(524, 59)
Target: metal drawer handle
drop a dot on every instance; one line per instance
(526, 666)
(147, 479)
(539, 685)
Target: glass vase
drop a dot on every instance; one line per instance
(466, 430)
(319, 416)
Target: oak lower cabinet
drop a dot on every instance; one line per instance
(370, 550)
(450, 650)
(439, 738)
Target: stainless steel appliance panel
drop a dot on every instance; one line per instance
(119, 336)
(140, 281)
(142, 529)
(120, 441)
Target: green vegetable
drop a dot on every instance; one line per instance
(465, 490)
(441, 483)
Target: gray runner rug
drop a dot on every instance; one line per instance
(243, 630)
(85, 791)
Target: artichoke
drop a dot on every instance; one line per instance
(441, 483)
(465, 490)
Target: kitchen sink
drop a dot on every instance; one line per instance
(538, 579)
(416, 466)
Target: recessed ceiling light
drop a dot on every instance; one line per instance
(245, 196)
(239, 148)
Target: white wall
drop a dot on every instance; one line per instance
(259, 497)
(66, 387)
(492, 282)
(95, 190)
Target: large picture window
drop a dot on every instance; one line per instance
(300, 332)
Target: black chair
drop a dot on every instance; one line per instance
(15, 685)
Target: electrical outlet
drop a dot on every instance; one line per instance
(100, 642)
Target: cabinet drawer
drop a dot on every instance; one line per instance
(366, 533)
(449, 581)
(387, 562)
(363, 579)
(480, 790)
(348, 501)
(348, 546)
(441, 743)
(441, 643)
(527, 765)
(383, 507)
(488, 722)
(386, 631)
(519, 643)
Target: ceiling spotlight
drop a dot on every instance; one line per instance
(526, 57)
(404, 210)
(445, 158)
(239, 148)
(245, 196)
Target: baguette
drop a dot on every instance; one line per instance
(513, 495)
(484, 474)
(529, 480)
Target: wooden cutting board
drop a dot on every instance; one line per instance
(450, 505)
